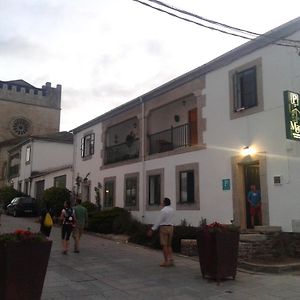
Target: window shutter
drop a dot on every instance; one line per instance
(82, 147)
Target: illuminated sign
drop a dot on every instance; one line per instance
(292, 115)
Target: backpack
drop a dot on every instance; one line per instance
(48, 222)
(69, 216)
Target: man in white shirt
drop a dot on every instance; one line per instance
(165, 225)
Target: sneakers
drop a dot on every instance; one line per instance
(76, 251)
(65, 252)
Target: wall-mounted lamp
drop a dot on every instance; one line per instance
(248, 151)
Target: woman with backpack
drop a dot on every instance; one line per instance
(68, 222)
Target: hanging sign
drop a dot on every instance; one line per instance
(292, 115)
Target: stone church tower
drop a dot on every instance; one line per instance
(24, 111)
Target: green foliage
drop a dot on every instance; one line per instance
(7, 193)
(56, 197)
(183, 232)
(91, 207)
(108, 221)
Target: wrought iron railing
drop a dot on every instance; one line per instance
(121, 152)
(166, 140)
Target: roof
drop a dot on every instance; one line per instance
(35, 174)
(19, 82)
(57, 137)
(262, 41)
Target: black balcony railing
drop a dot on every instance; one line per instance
(121, 152)
(175, 137)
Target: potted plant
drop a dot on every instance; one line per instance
(24, 259)
(218, 250)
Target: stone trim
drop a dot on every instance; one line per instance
(162, 183)
(259, 89)
(188, 206)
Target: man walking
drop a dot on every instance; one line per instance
(165, 225)
(81, 215)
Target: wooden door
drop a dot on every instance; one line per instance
(193, 129)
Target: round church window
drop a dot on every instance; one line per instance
(20, 126)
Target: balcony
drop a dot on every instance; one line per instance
(170, 139)
(122, 152)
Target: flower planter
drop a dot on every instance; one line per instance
(23, 266)
(218, 253)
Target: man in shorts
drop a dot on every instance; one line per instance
(165, 225)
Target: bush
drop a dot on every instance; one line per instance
(107, 221)
(56, 197)
(91, 207)
(183, 232)
(7, 193)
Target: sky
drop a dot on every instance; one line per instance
(107, 52)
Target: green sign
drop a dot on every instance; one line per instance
(226, 184)
(292, 115)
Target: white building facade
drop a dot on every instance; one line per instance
(41, 162)
(186, 140)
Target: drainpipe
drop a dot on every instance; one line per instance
(143, 136)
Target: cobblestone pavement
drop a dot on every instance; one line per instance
(106, 269)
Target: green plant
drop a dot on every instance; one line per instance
(7, 193)
(218, 227)
(103, 221)
(21, 235)
(56, 197)
(91, 207)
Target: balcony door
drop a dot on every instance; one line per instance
(193, 122)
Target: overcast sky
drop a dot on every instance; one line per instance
(107, 52)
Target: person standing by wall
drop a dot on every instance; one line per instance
(81, 215)
(67, 217)
(165, 225)
(254, 200)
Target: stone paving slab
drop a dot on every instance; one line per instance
(106, 269)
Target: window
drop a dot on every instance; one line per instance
(187, 185)
(246, 89)
(109, 193)
(87, 145)
(60, 181)
(154, 190)
(27, 155)
(131, 191)
(26, 187)
(245, 92)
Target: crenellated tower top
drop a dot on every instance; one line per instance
(23, 92)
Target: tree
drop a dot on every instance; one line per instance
(56, 197)
(7, 193)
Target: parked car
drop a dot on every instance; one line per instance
(22, 206)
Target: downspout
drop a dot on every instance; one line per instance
(143, 136)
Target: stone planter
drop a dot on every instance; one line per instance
(23, 266)
(218, 253)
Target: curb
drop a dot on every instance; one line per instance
(280, 268)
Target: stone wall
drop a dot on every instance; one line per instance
(257, 246)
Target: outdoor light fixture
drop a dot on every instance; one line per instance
(247, 150)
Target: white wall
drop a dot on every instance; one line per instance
(91, 165)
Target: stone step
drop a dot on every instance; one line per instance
(252, 237)
(267, 229)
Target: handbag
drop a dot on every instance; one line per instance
(48, 222)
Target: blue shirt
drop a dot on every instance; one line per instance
(254, 198)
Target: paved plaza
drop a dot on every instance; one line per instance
(106, 269)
